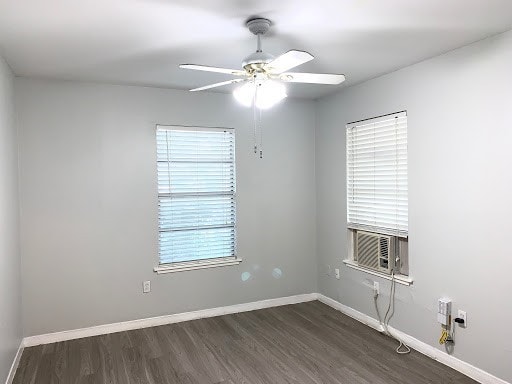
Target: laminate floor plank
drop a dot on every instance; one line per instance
(306, 343)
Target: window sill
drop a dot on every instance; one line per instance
(400, 279)
(192, 265)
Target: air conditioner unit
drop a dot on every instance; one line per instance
(375, 251)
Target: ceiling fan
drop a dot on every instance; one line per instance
(263, 75)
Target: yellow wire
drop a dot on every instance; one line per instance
(444, 336)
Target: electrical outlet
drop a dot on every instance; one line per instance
(328, 270)
(376, 287)
(146, 286)
(462, 315)
(337, 273)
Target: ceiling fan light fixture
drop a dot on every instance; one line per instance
(265, 94)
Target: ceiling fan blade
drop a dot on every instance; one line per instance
(312, 78)
(206, 68)
(217, 85)
(288, 60)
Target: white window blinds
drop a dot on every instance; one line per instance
(377, 175)
(196, 193)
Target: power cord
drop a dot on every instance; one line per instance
(402, 348)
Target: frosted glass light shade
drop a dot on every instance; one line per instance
(265, 93)
(244, 94)
(269, 93)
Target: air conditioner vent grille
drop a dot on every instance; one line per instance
(375, 251)
(384, 248)
(367, 249)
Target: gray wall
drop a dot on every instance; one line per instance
(460, 188)
(89, 204)
(10, 285)
(88, 201)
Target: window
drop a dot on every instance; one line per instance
(377, 202)
(196, 197)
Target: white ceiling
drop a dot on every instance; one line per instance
(141, 42)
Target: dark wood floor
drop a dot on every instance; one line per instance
(302, 343)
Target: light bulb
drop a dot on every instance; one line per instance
(245, 93)
(269, 93)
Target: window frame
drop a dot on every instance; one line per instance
(188, 265)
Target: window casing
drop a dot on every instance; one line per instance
(377, 187)
(196, 195)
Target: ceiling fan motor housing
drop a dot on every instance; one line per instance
(255, 61)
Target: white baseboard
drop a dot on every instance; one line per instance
(434, 353)
(14, 366)
(162, 320)
(467, 369)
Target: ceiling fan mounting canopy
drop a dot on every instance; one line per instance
(258, 25)
(261, 66)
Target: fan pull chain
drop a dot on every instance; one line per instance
(255, 123)
(261, 136)
(256, 112)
